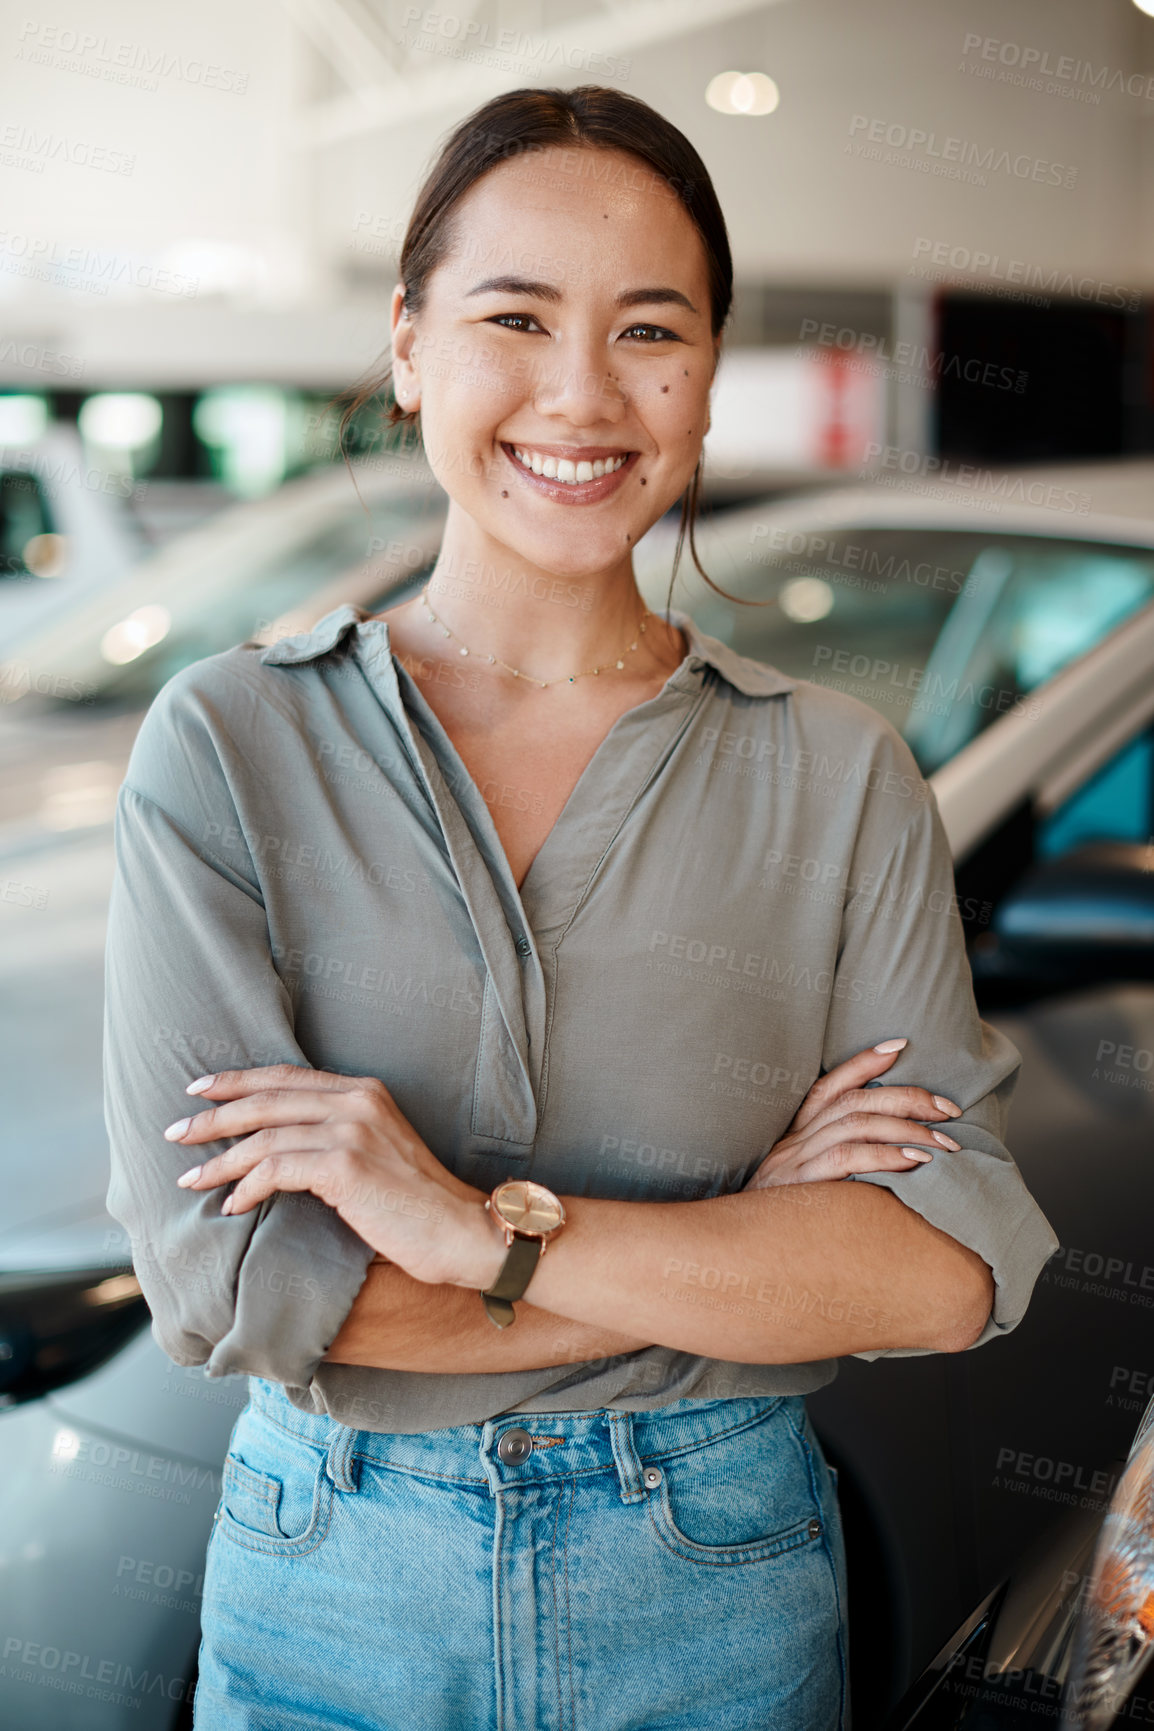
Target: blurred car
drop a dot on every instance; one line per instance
(74, 685)
(1037, 729)
(1067, 1634)
(1008, 631)
(262, 564)
(67, 529)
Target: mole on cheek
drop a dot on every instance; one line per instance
(504, 494)
(665, 387)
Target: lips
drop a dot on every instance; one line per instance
(589, 489)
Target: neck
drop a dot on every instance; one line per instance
(550, 625)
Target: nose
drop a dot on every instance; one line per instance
(576, 383)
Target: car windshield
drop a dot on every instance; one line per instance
(268, 589)
(257, 586)
(943, 631)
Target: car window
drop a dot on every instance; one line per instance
(253, 598)
(943, 631)
(1037, 608)
(24, 514)
(1115, 804)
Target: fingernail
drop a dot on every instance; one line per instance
(191, 1176)
(226, 1205)
(891, 1045)
(916, 1154)
(946, 1141)
(176, 1131)
(944, 1105)
(201, 1083)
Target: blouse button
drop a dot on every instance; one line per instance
(523, 946)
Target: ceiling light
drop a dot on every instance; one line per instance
(120, 420)
(744, 93)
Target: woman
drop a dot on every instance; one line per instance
(496, 915)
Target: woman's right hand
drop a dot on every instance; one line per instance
(843, 1127)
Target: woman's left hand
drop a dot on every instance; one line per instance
(344, 1139)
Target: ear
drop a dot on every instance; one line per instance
(406, 370)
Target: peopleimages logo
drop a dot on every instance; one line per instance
(983, 484)
(918, 360)
(1032, 65)
(472, 38)
(846, 772)
(915, 147)
(932, 689)
(990, 266)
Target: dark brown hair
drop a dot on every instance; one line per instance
(592, 117)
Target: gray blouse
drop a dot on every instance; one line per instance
(749, 883)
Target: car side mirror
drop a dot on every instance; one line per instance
(59, 1325)
(1083, 918)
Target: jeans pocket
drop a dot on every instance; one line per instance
(745, 1496)
(276, 1495)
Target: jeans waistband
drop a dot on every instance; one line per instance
(549, 1445)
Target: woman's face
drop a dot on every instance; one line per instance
(571, 321)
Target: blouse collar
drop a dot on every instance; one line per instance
(752, 678)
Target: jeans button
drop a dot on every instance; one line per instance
(514, 1445)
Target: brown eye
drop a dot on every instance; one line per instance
(522, 318)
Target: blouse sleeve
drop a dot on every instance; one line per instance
(903, 970)
(190, 988)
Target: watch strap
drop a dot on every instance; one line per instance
(516, 1273)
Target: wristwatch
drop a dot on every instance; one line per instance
(530, 1216)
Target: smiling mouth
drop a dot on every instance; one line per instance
(570, 480)
(567, 471)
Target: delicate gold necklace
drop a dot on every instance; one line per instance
(495, 660)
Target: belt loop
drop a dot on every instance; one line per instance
(486, 1447)
(625, 1456)
(339, 1460)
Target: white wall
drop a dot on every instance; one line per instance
(232, 166)
(801, 209)
(210, 144)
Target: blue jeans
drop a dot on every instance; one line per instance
(593, 1571)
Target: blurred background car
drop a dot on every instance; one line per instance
(67, 530)
(1035, 637)
(1014, 649)
(73, 686)
(113, 1453)
(1067, 1634)
(930, 464)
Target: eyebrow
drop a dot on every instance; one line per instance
(547, 291)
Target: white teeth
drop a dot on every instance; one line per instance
(564, 469)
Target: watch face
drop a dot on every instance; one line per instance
(528, 1207)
